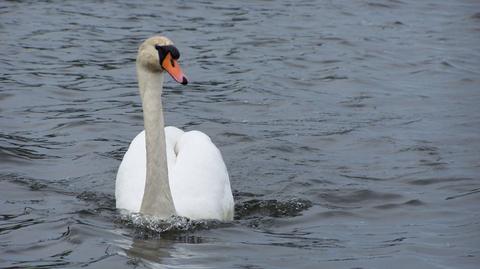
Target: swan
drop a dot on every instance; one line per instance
(165, 170)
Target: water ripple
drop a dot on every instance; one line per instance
(349, 130)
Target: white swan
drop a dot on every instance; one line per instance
(167, 171)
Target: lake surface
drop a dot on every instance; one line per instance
(350, 129)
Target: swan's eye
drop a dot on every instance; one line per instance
(174, 51)
(163, 50)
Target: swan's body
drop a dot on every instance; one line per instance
(196, 173)
(167, 171)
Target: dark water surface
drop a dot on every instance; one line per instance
(351, 131)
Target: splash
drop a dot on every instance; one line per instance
(148, 225)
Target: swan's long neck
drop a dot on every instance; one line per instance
(157, 199)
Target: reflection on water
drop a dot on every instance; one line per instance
(350, 131)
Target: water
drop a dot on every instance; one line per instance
(350, 130)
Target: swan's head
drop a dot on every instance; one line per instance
(158, 54)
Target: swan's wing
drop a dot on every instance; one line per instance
(130, 182)
(199, 179)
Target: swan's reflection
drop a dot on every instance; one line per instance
(159, 250)
(153, 251)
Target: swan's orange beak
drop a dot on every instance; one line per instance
(173, 68)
